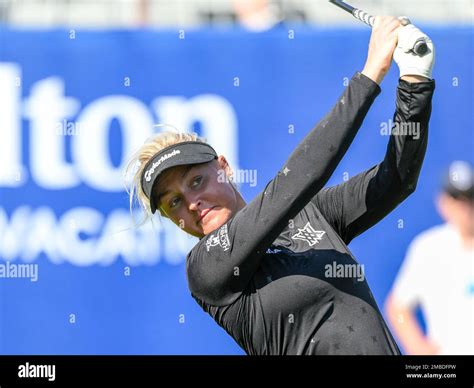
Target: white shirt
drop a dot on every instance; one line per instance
(438, 275)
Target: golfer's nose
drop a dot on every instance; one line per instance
(194, 203)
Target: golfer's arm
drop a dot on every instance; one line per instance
(356, 205)
(219, 273)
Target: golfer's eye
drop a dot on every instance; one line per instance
(196, 181)
(173, 202)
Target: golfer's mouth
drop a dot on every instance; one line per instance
(204, 216)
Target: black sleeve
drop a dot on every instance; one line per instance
(354, 206)
(220, 266)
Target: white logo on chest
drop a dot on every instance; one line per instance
(309, 235)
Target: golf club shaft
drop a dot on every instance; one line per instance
(357, 13)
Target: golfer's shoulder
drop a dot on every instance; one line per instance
(213, 245)
(196, 251)
(195, 267)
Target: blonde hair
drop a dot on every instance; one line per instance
(141, 157)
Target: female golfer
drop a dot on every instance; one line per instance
(276, 273)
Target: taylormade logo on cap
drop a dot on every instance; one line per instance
(151, 170)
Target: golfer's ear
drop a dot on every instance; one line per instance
(224, 165)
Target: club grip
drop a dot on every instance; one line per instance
(364, 17)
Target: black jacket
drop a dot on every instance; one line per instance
(278, 276)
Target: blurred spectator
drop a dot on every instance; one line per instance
(438, 276)
(143, 12)
(5, 7)
(257, 15)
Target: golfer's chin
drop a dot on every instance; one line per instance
(214, 219)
